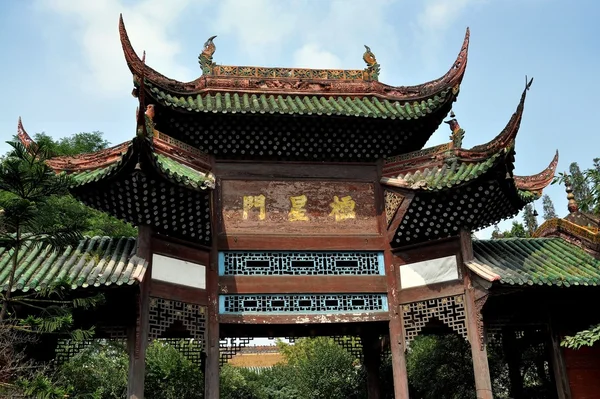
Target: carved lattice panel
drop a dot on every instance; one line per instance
(165, 314)
(191, 349)
(229, 347)
(67, 348)
(352, 345)
(448, 310)
(392, 203)
(303, 303)
(300, 263)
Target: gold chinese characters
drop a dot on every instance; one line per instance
(341, 208)
(257, 201)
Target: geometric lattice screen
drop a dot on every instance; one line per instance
(166, 315)
(300, 263)
(448, 310)
(302, 303)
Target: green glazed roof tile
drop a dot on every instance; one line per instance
(366, 106)
(96, 261)
(447, 176)
(536, 261)
(183, 174)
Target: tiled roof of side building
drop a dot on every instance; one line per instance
(94, 262)
(534, 261)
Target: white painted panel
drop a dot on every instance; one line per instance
(177, 271)
(429, 272)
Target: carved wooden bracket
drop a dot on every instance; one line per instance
(480, 300)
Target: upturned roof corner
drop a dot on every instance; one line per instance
(263, 80)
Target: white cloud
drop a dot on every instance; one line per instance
(102, 64)
(312, 56)
(434, 20)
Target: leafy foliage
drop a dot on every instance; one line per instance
(583, 338)
(586, 186)
(63, 210)
(170, 375)
(320, 368)
(530, 219)
(79, 143)
(440, 367)
(549, 211)
(517, 231)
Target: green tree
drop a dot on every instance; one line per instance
(26, 186)
(517, 231)
(320, 368)
(530, 219)
(549, 211)
(65, 209)
(440, 367)
(586, 186)
(78, 143)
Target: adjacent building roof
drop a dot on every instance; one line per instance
(104, 261)
(534, 261)
(95, 262)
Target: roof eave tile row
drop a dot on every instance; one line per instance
(534, 261)
(94, 262)
(303, 104)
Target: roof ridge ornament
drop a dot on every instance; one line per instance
(206, 56)
(572, 205)
(458, 133)
(373, 68)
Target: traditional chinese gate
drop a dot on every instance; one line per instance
(298, 202)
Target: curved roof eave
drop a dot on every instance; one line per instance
(505, 139)
(538, 182)
(207, 83)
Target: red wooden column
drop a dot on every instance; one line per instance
(211, 373)
(396, 330)
(483, 383)
(137, 336)
(392, 274)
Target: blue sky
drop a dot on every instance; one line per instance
(63, 70)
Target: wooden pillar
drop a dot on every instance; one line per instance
(396, 330)
(371, 349)
(211, 375)
(559, 367)
(512, 354)
(137, 336)
(483, 383)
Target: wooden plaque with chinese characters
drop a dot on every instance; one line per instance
(298, 208)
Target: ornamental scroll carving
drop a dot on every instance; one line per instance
(479, 302)
(392, 203)
(448, 310)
